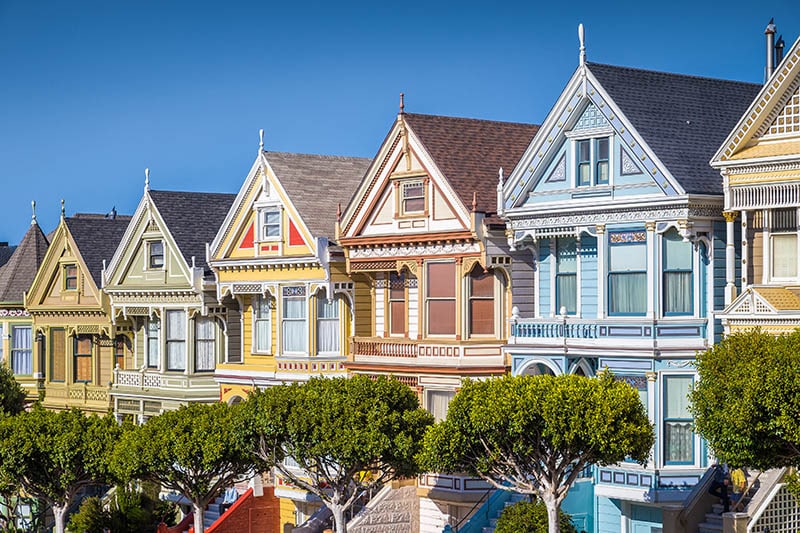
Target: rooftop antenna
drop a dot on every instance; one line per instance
(63, 212)
(402, 104)
(770, 33)
(146, 179)
(582, 40)
(261, 139)
(33, 211)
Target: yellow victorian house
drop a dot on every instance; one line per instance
(19, 347)
(275, 261)
(71, 315)
(760, 167)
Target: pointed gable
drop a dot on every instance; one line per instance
(683, 119)
(17, 274)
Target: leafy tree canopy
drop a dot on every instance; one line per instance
(347, 434)
(12, 395)
(747, 400)
(534, 434)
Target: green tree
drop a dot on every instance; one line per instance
(133, 509)
(534, 434)
(747, 399)
(347, 434)
(12, 395)
(194, 450)
(53, 455)
(530, 517)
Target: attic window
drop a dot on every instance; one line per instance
(70, 277)
(270, 223)
(156, 254)
(412, 197)
(592, 161)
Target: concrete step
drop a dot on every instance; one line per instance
(705, 527)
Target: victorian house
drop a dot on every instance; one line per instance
(71, 315)
(163, 298)
(431, 269)
(621, 219)
(277, 265)
(760, 167)
(19, 347)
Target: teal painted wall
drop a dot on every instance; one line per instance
(645, 519)
(579, 503)
(608, 515)
(544, 277)
(588, 257)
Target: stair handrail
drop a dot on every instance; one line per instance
(694, 497)
(229, 511)
(765, 494)
(740, 502)
(485, 498)
(373, 501)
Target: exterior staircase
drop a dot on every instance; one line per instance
(513, 499)
(484, 519)
(395, 509)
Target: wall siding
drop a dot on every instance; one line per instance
(609, 515)
(544, 278)
(589, 282)
(522, 282)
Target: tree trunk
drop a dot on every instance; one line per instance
(59, 513)
(553, 524)
(199, 524)
(339, 521)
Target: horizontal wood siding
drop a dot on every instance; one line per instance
(609, 515)
(589, 282)
(544, 278)
(363, 305)
(234, 327)
(522, 282)
(718, 270)
(756, 273)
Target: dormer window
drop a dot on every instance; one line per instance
(270, 223)
(592, 161)
(70, 277)
(155, 252)
(412, 197)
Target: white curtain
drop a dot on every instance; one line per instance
(21, 350)
(678, 435)
(205, 344)
(176, 340)
(438, 402)
(678, 292)
(628, 293)
(567, 291)
(153, 327)
(784, 256)
(295, 331)
(327, 325)
(261, 311)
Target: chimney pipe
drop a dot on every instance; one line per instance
(779, 44)
(770, 33)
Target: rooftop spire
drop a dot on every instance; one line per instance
(261, 139)
(146, 179)
(581, 39)
(402, 104)
(33, 211)
(63, 211)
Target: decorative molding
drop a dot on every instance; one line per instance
(627, 164)
(416, 251)
(559, 172)
(609, 217)
(764, 168)
(730, 216)
(14, 313)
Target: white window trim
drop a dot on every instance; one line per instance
(592, 135)
(497, 301)
(195, 341)
(261, 212)
(147, 264)
(661, 436)
(413, 181)
(254, 321)
(337, 301)
(147, 344)
(187, 327)
(283, 319)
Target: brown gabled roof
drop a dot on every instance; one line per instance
(317, 184)
(17, 275)
(470, 152)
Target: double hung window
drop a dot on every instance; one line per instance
(327, 325)
(783, 241)
(70, 277)
(397, 304)
(58, 354)
(440, 298)
(566, 275)
(122, 347)
(592, 161)
(678, 434)
(438, 402)
(412, 197)
(22, 350)
(156, 254)
(481, 302)
(627, 273)
(176, 340)
(262, 324)
(153, 346)
(82, 359)
(205, 344)
(677, 263)
(295, 327)
(270, 223)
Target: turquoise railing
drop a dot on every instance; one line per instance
(485, 512)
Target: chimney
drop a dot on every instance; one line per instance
(779, 44)
(770, 33)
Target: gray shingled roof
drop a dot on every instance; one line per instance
(17, 275)
(6, 252)
(193, 219)
(97, 237)
(317, 184)
(683, 119)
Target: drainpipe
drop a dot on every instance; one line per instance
(770, 33)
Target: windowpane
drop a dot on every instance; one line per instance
(677, 396)
(566, 256)
(262, 314)
(630, 257)
(413, 197)
(438, 402)
(397, 316)
(679, 442)
(58, 354)
(70, 277)
(602, 172)
(327, 325)
(83, 358)
(482, 284)
(584, 153)
(678, 253)
(628, 293)
(602, 149)
(397, 289)
(176, 340)
(21, 350)
(567, 292)
(156, 254)
(295, 330)
(481, 315)
(205, 344)
(678, 292)
(442, 317)
(784, 256)
(153, 352)
(678, 434)
(271, 223)
(441, 280)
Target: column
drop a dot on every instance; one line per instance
(650, 227)
(652, 411)
(745, 251)
(730, 258)
(602, 269)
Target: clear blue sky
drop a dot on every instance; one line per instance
(92, 92)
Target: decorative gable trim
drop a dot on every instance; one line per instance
(749, 303)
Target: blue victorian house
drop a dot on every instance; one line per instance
(623, 217)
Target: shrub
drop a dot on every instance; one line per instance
(530, 517)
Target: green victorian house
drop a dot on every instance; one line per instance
(161, 288)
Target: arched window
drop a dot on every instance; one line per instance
(327, 324)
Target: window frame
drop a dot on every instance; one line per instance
(666, 419)
(168, 341)
(665, 272)
(263, 225)
(783, 232)
(471, 297)
(594, 161)
(15, 351)
(400, 278)
(151, 264)
(574, 274)
(403, 199)
(610, 272)
(198, 320)
(336, 305)
(152, 341)
(429, 299)
(429, 393)
(68, 277)
(287, 296)
(255, 309)
(126, 348)
(78, 357)
(63, 356)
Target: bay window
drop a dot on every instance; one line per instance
(262, 324)
(677, 263)
(481, 302)
(783, 241)
(205, 344)
(22, 350)
(327, 324)
(440, 298)
(58, 354)
(566, 275)
(678, 435)
(176, 340)
(82, 359)
(627, 273)
(295, 327)
(397, 304)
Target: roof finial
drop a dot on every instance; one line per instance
(339, 212)
(63, 212)
(33, 210)
(147, 179)
(474, 201)
(402, 104)
(261, 139)
(500, 176)
(581, 38)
